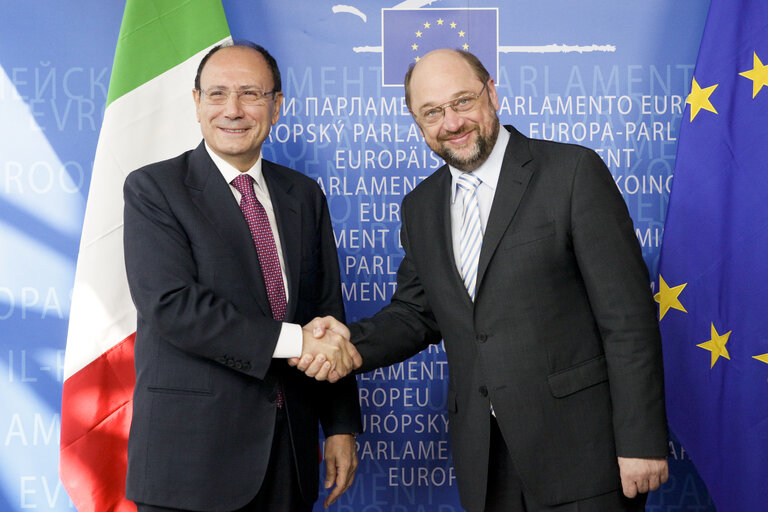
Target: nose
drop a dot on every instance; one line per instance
(451, 120)
(232, 108)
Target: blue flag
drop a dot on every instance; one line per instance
(713, 283)
(408, 34)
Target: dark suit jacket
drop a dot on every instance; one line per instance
(562, 336)
(206, 384)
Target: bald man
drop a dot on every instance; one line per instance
(227, 256)
(521, 255)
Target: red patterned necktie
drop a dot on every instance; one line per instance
(261, 234)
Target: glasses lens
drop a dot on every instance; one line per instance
(464, 104)
(216, 96)
(251, 97)
(247, 97)
(460, 105)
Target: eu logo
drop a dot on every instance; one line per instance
(408, 34)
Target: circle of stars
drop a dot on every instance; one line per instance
(426, 27)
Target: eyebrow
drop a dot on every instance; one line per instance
(241, 88)
(458, 95)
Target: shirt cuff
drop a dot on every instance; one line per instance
(289, 342)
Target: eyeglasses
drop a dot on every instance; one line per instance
(247, 97)
(465, 103)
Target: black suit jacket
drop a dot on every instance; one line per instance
(206, 384)
(562, 336)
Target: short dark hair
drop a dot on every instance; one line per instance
(480, 72)
(271, 62)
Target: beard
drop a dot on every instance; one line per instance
(476, 155)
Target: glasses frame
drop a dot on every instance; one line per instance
(452, 104)
(258, 102)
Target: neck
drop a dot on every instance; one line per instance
(240, 162)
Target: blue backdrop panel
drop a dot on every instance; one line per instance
(609, 75)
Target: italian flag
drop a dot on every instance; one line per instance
(150, 116)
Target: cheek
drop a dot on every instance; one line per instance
(431, 135)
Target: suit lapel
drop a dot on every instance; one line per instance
(213, 196)
(444, 235)
(512, 184)
(288, 217)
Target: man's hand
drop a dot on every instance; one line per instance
(326, 352)
(340, 465)
(642, 475)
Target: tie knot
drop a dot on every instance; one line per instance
(243, 184)
(468, 181)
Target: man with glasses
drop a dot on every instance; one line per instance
(521, 255)
(227, 255)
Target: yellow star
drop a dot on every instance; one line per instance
(758, 74)
(762, 357)
(699, 99)
(461, 33)
(668, 297)
(414, 46)
(716, 345)
(465, 46)
(440, 21)
(418, 33)
(453, 24)
(426, 25)
(417, 59)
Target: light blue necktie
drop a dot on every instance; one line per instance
(471, 234)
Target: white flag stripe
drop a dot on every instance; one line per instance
(102, 313)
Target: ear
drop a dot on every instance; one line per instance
(196, 97)
(278, 104)
(492, 94)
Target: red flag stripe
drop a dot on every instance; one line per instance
(96, 416)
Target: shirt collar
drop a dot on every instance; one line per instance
(230, 173)
(490, 170)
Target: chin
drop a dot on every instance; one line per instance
(466, 159)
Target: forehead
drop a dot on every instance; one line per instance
(236, 66)
(440, 78)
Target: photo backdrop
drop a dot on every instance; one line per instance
(609, 75)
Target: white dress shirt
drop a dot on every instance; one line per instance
(290, 341)
(488, 173)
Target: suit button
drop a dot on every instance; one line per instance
(481, 338)
(246, 366)
(483, 390)
(238, 365)
(230, 362)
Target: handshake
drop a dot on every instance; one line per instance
(326, 352)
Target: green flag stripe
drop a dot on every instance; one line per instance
(156, 35)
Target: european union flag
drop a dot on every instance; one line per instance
(408, 34)
(713, 283)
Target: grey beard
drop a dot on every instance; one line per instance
(480, 154)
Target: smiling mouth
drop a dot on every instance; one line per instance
(457, 138)
(233, 130)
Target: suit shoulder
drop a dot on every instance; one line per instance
(560, 149)
(163, 170)
(292, 175)
(559, 159)
(430, 186)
